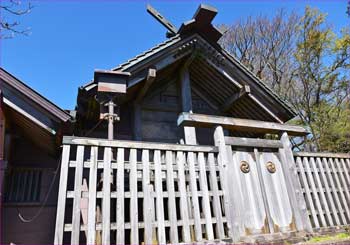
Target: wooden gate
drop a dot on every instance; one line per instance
(139, 192)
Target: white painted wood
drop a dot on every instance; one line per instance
(195, 201)
(250, 142)
(62, 192)
(205, 197)
(295, 192)
(254, 212)
(120, 197)
(321, 191)
(314, 192)
(147, 200)
(334, 192)
(159, 198)
(328, 193)
(91, 239)
(263, 191)
(307, 192)
(106, 201)
(340, 191)
(133, 200)
(180, 161)
(171, 199)
(322, 154)
(216, 199)
(78, 178)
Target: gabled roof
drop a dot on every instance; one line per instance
(194, 36)
(37, 118)
(31, 94)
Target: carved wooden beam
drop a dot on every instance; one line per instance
(244, 91)
(151, 76)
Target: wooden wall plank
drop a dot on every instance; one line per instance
(180, 162)
(91, 239)
(147, 200)
(216, 198)
(346, 170)
(314, 191)
(307, 192)
(78, 178)
(334, 191)
(205, 197)
(120, 197)
(133, 200)
(171, 199)
(159, 198)
(195, 201)
(106, 201)
(62, 192)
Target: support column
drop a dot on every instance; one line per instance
(232, 206)
(293, 186)
(186, 99)
(112, 117)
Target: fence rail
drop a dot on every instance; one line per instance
(325, 179)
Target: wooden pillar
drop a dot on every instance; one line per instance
(186, 101)
(293, 186)
(232, 207)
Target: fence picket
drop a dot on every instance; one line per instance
(120, 197)
(334, 191)
(106, 201)
(159, 199)
(343, 182)
(171, 200)
(147, 201)
(133, 200)
(307, 192)
(216, 199)
(91, 239)
(205, 197)
(78, 178)
(180, 162)
(340, 189)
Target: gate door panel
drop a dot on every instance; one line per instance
(276, 191)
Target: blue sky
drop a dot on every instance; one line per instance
(72, 38)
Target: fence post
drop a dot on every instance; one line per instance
(295, 193)
(219, 139)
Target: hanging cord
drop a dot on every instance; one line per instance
(28, 220)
